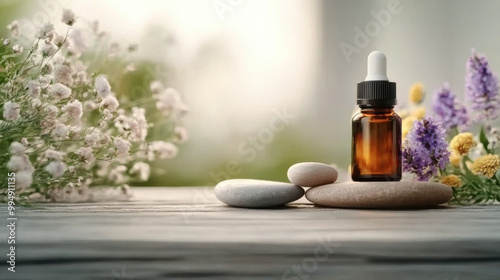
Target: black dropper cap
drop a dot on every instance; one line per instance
(376, 90)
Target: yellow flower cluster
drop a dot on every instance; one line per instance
(462, 143)
(452, 181)
(486, 165)
(417, 93)
(419, 113)
(406, 125)
(416, 96)
(455, 159)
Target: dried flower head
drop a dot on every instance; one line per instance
(417, 93)
(452, 181)
(486, 165)
(462, 143)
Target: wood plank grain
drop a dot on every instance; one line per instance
(185, 233)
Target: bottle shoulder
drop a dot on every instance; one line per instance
(363, 116)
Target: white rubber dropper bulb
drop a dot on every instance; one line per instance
(376, 67)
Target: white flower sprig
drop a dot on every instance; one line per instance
(63, 129)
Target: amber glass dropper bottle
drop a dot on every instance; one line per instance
(376, 129)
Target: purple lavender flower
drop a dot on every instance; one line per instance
(449, 110)
(482, 88)
(425, 149)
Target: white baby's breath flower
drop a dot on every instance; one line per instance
(110, 102)
(52, 111)
(56, 168)
(48, 49)
(35, 103)
(24, 141)
(86, 154)
(92, 138)
(102, 168)
(20, 163)
(68, 17)
(138, 125)
(58, 40)
(71, 169)
(55, 155)
(63, 74)
(116, 175)
(6, 42)
(24, 179)
(102, 86)
(181, 134)
(14, 28)
(81, 78)
(142, 170)
(156, 86)
(11, 111)
(89, 105)
(17, 148)
(60, 130)
(46, 31)
(78, 42)
(129, 68)
(164, 150)
(44, 81)
(168, 100)
(60, 91)
(73, 109)
(48, 125)
(17, 49)
(107, 115)
(33, 88)
(122, 147)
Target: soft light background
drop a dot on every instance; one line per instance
(265, 56)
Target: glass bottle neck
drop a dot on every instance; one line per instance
(377, 110)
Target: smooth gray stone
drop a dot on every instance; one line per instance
(312, 174)
(251, 193)
(403, 194)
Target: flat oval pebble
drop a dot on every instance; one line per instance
(403, 194)
(251, 193)
(312, 174)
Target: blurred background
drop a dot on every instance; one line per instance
(272, 83)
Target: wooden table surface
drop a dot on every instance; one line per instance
(185, 233)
